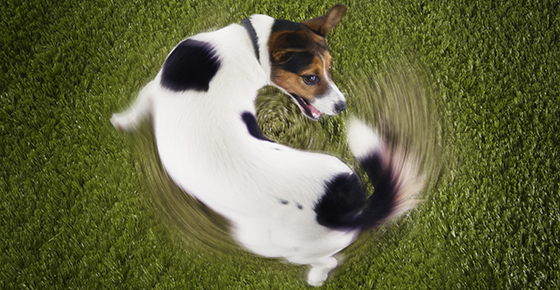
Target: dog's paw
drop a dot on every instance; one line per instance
(316, 279)
(320, 272)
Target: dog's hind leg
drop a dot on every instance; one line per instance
(140, 109)
(320, 271)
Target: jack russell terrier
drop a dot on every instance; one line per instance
(281, 202)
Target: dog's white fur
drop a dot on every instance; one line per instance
(206, 149)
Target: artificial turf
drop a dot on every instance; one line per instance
(75, 210)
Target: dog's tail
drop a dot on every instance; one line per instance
(393, 175)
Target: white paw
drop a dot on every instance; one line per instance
(317, 277)
(320, 272)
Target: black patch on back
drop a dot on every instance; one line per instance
(286, 25)
(252, 126)
(190, 66)
(342, 203)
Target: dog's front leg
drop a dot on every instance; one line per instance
(320, 271)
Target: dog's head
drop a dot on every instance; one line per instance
(300, 63)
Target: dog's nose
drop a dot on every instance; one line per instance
(340, 106)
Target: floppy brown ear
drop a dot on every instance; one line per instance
(285, 43)
(323, 24)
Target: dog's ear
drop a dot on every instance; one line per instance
(286, 43)
(323, 24)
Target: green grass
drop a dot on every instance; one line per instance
(76, 212)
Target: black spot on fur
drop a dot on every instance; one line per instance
(342, 203)
(190, 66)
(286, 25)
(252, 126)
(283, 201)
(298, 61)
(299, 205)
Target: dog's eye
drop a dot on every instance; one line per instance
(310, 79)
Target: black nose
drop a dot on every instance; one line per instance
(340, 106)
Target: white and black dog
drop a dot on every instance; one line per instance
(281, 202)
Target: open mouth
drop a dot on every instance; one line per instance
(307, 109)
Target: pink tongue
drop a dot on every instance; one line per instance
(314, 112)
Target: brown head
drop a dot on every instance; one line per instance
(300, 63)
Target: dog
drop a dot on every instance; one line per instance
(281, 202)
